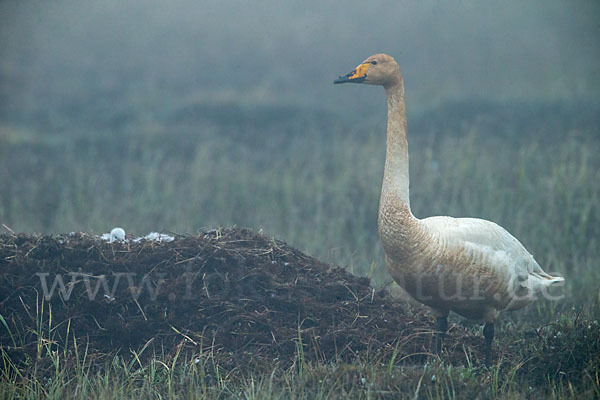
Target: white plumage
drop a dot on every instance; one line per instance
(497, 249)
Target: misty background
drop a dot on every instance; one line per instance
(153, 55)
(180, 115)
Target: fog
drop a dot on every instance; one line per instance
(152, 55)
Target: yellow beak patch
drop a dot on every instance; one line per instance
(357, 76)
(360, 71)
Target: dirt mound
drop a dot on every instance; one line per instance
(234, 294)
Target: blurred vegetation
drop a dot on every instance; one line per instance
(305, 176)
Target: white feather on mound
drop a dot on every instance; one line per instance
(118, 234)
(159, 237)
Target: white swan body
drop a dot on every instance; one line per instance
(492, 255)
(467, 265)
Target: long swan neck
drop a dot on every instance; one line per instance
(395, 177)
(400, 232)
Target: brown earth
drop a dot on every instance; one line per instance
(232, 294)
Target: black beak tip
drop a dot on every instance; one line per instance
(341, 79)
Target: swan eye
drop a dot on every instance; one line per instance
(374, 62)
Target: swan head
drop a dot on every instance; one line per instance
(379, 69)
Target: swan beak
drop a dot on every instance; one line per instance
(356, 76)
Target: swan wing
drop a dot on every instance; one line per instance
(492, 242)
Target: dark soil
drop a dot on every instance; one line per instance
(233, 294)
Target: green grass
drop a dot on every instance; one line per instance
(523, 372)
(315, 183)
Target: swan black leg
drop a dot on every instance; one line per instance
(488, 334)
(441, 326)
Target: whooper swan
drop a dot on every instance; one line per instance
(467, 265)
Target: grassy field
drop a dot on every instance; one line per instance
(527, 374)
(306, 177)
